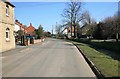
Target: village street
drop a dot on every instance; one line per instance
(52, 58)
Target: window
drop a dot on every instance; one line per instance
(7, 10)
(7, 34)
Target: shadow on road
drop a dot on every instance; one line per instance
(68, 44)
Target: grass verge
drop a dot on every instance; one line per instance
(108, 66)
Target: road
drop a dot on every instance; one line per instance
(52, 58)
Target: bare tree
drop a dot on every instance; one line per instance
(111, 27)
(58, 30)
(89, 23)
(73, 14)
(87, 19)
(114, 22)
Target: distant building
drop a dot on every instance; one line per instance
(20, 31)
(69, 31)
(20, 27)
(65, 31)
(84, 29)
(30, 31)
(7, 39)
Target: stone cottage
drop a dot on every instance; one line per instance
(7, 39)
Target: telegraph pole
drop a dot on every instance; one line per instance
(56, 31)
(52, 30)
(71, 23)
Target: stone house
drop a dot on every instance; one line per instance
(7, 39)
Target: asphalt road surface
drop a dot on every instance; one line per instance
(52, 58)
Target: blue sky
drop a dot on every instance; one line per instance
(48, 13)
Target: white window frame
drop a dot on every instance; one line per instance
(7, 10)
(7, 36)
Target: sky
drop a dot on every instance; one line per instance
(48, 13)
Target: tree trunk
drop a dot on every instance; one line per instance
(71, 29)
(74, 32)
(117, 38)
(74, 25)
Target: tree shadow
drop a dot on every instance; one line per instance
(66, 44)
(79, 44)
(101, 47)
(113, 55)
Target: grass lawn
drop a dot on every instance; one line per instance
(108, 66)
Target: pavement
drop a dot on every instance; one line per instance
(51, 58)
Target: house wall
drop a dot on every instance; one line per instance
(0, 38)
(0, 28)
(65, 31)
(7, 22)
(17, 27)
(85, 30)
(69, 31)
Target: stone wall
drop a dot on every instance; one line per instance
(6, 22)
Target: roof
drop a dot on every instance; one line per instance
(10, 4)
(20, 25)
(30, 29)
(7, 2)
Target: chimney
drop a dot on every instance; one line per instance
(16, 20)
(30, 24)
